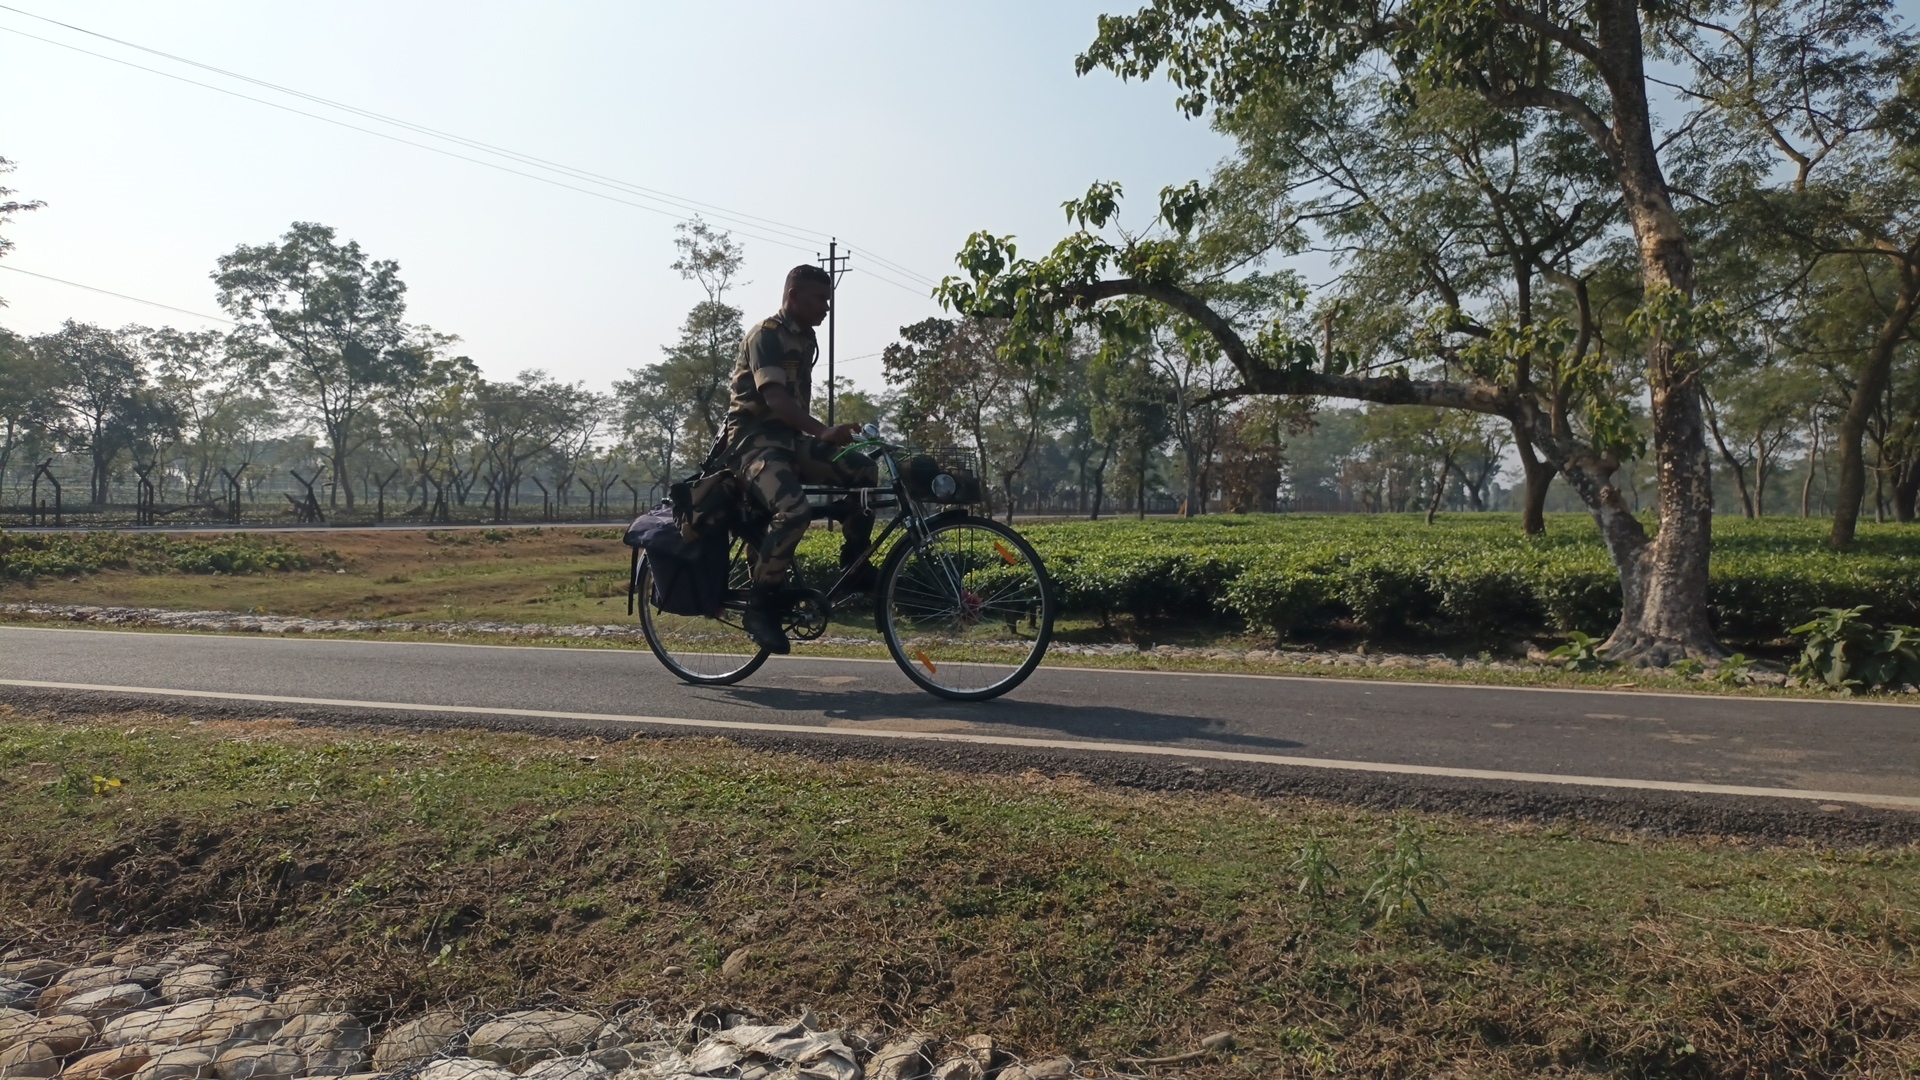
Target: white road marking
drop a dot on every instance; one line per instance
(1560, 779)
(1373, 684)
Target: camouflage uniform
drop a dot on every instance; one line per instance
(774, 459)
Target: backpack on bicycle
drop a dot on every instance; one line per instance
(689, 574)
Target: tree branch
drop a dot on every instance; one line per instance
(1259, 378)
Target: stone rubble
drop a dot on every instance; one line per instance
(182, 1016)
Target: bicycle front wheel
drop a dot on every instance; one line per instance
(966, 612)
(705, 650)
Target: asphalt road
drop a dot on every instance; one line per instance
(1350, 732)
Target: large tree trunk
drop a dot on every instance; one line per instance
(1539, 476)
(1906, 492)
(1851, 487)
(1663, 615)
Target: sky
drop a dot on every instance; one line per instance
(897, 128)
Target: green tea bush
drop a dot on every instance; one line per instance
(1466, 576)
(25, 556)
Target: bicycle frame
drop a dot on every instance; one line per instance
(912, 519)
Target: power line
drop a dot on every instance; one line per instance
(922, 293)
(529, 159)
(381, 134)
(679, 201)
(123, 296)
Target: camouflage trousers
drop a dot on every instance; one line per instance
(773, 470)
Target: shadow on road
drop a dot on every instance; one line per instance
(1094, 722)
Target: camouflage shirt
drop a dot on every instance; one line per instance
(778, 350)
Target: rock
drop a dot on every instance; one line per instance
(260, 1062)
(303, 1000)
(177, 1065)
(15, 991)
(982, 1049)
(29, 1059)
(111, 1064)
(194, 981)
(312, 1031)
(65, 1034)
(105, 1001)
(74, 980)
(901, 1059)
(96, 976)
(616, 1059)
(1054, 1068)
(736, 962)
(11, 1022)
(235, 1018)
(465, 1068)
(331, 1044)
(200, 952)
(566, 1069)
(417, 1039)
(520, 1038)
(335, 1062)
(156, 1025)
(960, 1068)
(205, 1021)
(1218, 1042)
(35, 972)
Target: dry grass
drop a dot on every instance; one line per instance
(425, 867)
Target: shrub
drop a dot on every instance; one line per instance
(1847, 653)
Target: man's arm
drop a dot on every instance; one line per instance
(788, 411)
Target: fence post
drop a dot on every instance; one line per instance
(310, 509)
(143, 496)
(39, 509)
(546, 500)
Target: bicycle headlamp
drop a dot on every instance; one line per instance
(944, 486)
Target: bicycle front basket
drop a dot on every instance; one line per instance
(942, 474)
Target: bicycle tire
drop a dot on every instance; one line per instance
(915, 663)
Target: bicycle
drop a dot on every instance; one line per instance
(963, 603)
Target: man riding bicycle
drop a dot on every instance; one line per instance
(775, 445)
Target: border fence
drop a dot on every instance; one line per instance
(59, 491)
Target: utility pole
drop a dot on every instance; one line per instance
(836, 265)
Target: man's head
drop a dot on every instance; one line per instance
(809, 294)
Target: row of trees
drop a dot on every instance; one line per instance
(1616, 261)
(327, 384)
(323, 377)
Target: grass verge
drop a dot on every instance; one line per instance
(421, 867)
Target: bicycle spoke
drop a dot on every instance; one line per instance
(697, 648)
(955, 606)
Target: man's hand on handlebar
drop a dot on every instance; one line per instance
(840, 434)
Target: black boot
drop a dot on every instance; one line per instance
(857, 534)
(762, 621)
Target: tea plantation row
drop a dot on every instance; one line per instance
(1472, 575)
(31, 555)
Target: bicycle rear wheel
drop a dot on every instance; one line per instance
(967, 612)
(707, 651)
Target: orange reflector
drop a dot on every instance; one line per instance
(1004, 553)
(926, 663)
